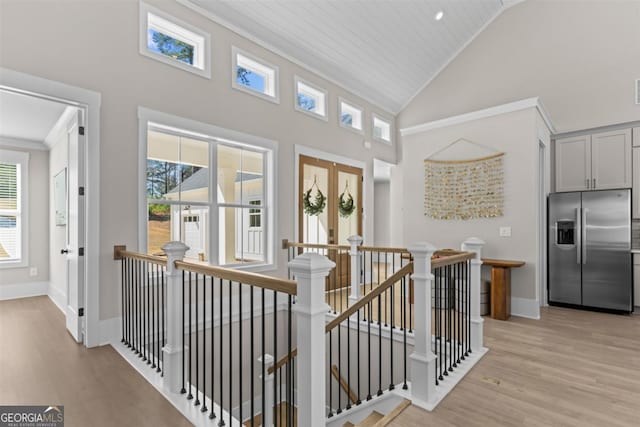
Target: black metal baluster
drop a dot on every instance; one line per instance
(348, 363)
(182, 390)
(197, 353)
(212, 414)
(189, 378)
(386, 292)
(129, 303)
(154, 353)
(448, 316)
(391, 385)
(289, 364)
(370, 275)
(122, 297)
(468, 307)
(148, 337)
(230, 351)
(240, 352)
(263, 377)
(339, 370)
(162, 271)
(369, 350)
(330, 368)
(139, 308)
(379, 345)
(252, 355)
(221, 422)
(438, 335)
(404, 329)
(145, 321)
(275, 352)
(358, 357)
(204, 343)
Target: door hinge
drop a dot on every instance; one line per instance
(81, 252)
(81, 191)
(80, 312)
(81, 130)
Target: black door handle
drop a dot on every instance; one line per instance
(64, 251)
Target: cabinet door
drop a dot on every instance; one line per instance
(611, 159)
(573, 163)
(635, 190)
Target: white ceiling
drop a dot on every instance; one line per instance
(27, 117)
(384, 51)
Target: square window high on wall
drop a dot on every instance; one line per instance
(13, 208)
(350, 116)
(253, 75)
(381, 129)
(310, 99)
(174, 42)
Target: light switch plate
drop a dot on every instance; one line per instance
(33, 271)
(505, 231)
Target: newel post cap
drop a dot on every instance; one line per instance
(422, 248)
(474, 241)
(311, 263)
(354, 240)
(175, 248)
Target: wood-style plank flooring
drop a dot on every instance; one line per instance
(40, 364)
(571, 368)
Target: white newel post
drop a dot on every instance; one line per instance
(473, 244)
(423, 381)
(269, 398)
(310, 271)
(173, 348)
(355, 242)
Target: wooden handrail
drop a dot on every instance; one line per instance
(407, 269)
(282, 361)
(121, 252)
(275, 284)
(343, 384)
(451, 259)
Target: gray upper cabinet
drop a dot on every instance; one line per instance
(573, 163)
(599, 161)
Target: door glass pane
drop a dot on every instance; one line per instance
(315, 225)
(241, 235)
(348, 200)
(177, 168)
(240, 175)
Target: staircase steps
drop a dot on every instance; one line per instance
(282, 417)
(376, 419)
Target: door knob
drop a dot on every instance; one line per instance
(64, 251)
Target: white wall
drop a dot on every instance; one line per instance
(38, 223)
(58, 160)
(79, 52)
(515, 135)
(580, 57)
(382, 213)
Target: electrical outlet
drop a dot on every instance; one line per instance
(505, 231)
(33, 271)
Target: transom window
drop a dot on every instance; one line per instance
(13, 216)
(381, 129)
(350, 116)
(310, 99)
(253, 75)
(174, 42)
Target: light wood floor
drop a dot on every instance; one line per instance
(571, 368)
(40, 364)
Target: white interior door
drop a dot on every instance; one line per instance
(75, 230)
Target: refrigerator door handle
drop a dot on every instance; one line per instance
(578, 232)
(584, 235)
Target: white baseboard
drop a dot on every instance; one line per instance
(525, 307)
(110, 330)
(58, 298)
(23, 290)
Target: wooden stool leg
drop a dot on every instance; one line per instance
(500, 293)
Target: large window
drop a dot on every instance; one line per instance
(174, 42)
(253, 75)
(211, 193)
(13, 213)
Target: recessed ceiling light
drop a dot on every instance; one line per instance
(439, 15)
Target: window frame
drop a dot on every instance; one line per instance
(259, 63)
(179, 30)
(297, 80)
(354, 106)
(216, 136)
(375, 117)
(20, 158)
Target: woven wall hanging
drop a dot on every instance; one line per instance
(464, 188)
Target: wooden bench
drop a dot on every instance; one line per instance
(501, 286)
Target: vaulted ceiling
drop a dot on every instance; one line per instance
(385, 51)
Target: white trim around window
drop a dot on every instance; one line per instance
(357, 114)
(310, 90)
(386, 129)
(21, 213)
(268, 72)
(155, 19)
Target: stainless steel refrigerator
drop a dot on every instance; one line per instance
(589, 256)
